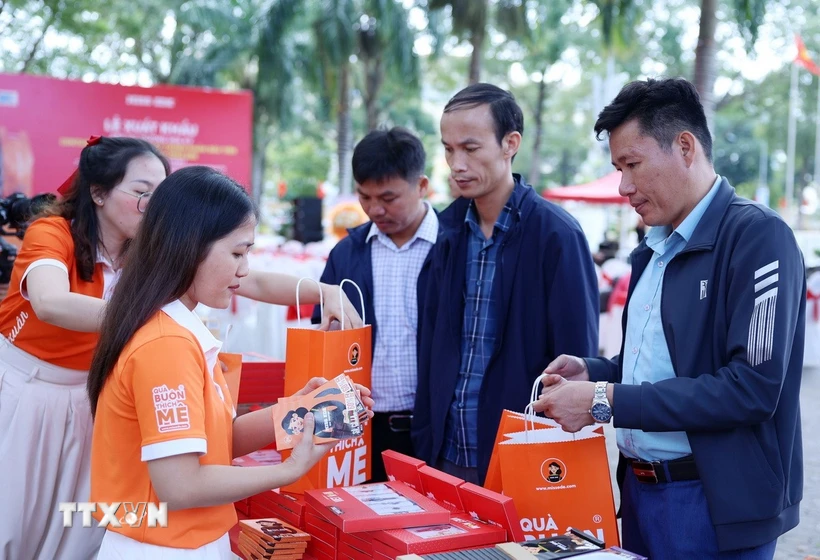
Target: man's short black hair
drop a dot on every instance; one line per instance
(663, 109)
(507, 115)
(388, 154)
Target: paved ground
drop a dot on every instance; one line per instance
(804, 540)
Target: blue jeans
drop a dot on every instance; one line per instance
(671, 521)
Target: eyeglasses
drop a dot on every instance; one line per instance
(142, 199)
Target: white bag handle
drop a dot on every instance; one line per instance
(341, 299)
(321, 297)
(529, 411)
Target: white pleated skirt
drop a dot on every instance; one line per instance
(119, 547)
(45, 458)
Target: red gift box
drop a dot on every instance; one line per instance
(261, 458)
(262, 381)
(403, 468)
(441, 487)
(320, 527)
(321, 550)
(291, 502)
(359, 541)
(492, 507)
(270, 504)
(347, 551)
(369, 507)
(461, 532)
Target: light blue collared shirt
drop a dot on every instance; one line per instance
(646, 356)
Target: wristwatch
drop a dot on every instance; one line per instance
(600, 410)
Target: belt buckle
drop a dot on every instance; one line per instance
(402, 426)
(645, 472)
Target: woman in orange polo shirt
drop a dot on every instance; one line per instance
(66, 267)
(165, 428)
(65, 270)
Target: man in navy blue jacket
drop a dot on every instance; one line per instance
(705, 391)
(512, 286)
(388, 258)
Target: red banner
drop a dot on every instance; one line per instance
(44, 124)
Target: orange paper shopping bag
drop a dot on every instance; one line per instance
(314, 353)
(511, 422)
(557, 479)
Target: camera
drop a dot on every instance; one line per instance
(16, 210)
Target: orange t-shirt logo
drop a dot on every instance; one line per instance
(171, 410)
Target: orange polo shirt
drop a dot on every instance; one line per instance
(48, 242)
(166, 396)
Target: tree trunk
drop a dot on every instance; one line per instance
(535, 162)
(564, 170)
(374, 78)
(259, 162)
(344, 131)
(704, 78)
(477, 41)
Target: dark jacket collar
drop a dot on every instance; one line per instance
(452, 218)
(705, 235)
(358, 234)
(706, 232)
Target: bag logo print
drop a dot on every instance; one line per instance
(353, 354)
(553, 470)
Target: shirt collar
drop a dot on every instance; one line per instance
(687, 227)
(503, 220)
(186, 318)
(427, 230)
(101, 258)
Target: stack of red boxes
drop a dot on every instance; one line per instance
(263, 380)
(421, 510)
(324, 540)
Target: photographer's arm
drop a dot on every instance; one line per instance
(53, 301)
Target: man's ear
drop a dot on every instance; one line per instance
(510, 143)
(424, 184)
(688, 146)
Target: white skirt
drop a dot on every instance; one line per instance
(119, 547)
(45, 458)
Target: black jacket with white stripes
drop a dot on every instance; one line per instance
(733, 313)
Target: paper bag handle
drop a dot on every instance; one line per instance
(321, 297)
(341, 298)
(529, 412)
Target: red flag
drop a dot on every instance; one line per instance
(804, 59)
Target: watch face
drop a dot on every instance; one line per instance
(601, 412)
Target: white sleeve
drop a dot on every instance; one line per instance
(42, 262)
(174, 447)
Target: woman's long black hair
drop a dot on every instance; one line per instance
(190, 210)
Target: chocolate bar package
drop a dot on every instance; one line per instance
(572, 543)
(336, 406)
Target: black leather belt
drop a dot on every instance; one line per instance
(655, 472)
(397, 421)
